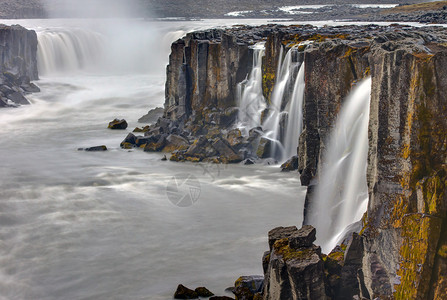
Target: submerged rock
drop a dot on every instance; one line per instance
(95, 148)
(118, 124)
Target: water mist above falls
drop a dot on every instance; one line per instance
(341, 196)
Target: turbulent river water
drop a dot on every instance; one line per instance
(85, 225)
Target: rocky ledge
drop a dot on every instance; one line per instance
(18, 65)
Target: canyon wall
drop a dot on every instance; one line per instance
(401, 250)
(18, 64)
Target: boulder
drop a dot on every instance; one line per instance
(183, 292)
(290, 165)
(264, 148)
(303, 237)
(279, 233)
(246, 287)
(175, 142)
(96, 148)
(203, 292)
(118, 124)
(157, 145)
(225, 151)
(30, 87)
(17, 98)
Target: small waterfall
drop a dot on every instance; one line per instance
(61, 51)
(271, 124)
(249, 94)
(294, 117)
(341, 197)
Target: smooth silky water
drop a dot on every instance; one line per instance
(88, 225)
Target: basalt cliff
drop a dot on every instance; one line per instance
(401, 250)
(18, 64)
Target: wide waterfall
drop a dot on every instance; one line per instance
(68, 50)
(341, 196)
(250, 98)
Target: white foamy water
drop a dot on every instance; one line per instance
(341, 196)
(86, 225)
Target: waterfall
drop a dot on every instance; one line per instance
(61, 51)
(294, 117)
(341, 196)
(249, 94)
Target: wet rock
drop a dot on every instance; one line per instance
(248, 162)
(129, 141)
(203, 292)
(226, 152)
(18, 98)
(264, 148)
(156, 145)
(279, 233)
(175, 142)
(303, 237)
(118, 124)
(152, 116)
(183, 292)
(96, 148)
(30, 88)
(144, 129)
(294, 273)
(290, 165)
(246, 287)
(221, 298)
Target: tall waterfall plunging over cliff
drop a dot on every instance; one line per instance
(341, 195)
(249, 94)
(294, 116)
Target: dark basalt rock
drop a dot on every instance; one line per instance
(246, 287)
(203, 292)
(304, 237)
(293, 273)
(221, 298)
(290, 165)
(118, 124)
(95, 148)
(183, 292)
(279, 233)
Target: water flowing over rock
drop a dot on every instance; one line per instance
(400, 249)
(341, 196)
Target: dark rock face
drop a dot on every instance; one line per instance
(290, 165)
(18, 64)
(246, 287)
(294, 272)
(203, 292)
(183, 292)
(96, 148)
(118, 124)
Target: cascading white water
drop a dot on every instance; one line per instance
(271, 124)
(294, 116)
(249, 93)
(68, 50)
(341, 196)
